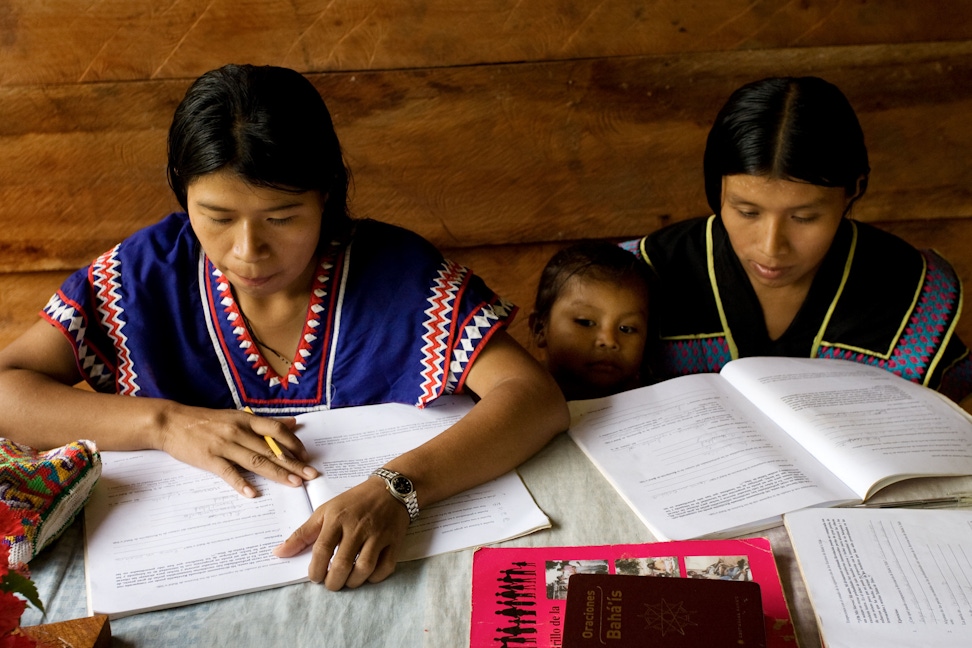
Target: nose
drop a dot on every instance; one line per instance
(607, 337)
(247, 243)
(774, 236)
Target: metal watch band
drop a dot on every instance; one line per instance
(410, 499)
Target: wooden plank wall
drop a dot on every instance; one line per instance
(498, 129)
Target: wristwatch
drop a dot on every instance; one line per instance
(401, 489)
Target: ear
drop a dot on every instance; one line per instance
(539, 330)
(858, 192)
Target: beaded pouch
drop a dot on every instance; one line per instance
(46, 489)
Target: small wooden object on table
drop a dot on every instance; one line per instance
(87, 632)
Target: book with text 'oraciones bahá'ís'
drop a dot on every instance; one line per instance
(618, 611)
(519, 593)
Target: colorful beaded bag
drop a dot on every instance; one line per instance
(46, 489)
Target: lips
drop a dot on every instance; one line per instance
(768, 273)
(603, 367)
(253, 282)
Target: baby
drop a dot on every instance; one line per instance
(591, 319)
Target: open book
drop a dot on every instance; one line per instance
(160, 533)
(893, 578)
(719, 455)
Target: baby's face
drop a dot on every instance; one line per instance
(595, 337)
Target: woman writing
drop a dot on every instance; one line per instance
(265, 295)
(780, 269)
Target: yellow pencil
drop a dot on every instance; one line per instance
(269, 439)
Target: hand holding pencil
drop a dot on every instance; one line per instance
(288, 459)
(269, 439)
(306, 472)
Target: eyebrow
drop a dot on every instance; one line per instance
(739, 200)
(586, 304)
(275, 208)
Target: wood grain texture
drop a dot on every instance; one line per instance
(22, 295)
(64, 41)
(86, 632)
(488, 155)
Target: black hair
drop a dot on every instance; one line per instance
(269, 125)
(594, 259)
(792, 128)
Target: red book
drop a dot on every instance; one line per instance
(519, 593)
(615, 611)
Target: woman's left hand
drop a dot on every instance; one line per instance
(365, 525)
(519, 411)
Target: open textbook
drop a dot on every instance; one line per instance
(719, 455)
(160, 533)
(895, 578)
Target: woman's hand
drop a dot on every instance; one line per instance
(221, 440)
(356, 537)
(37, 374)
(520, 409)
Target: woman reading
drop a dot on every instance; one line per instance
(265, 295)
(780, 269)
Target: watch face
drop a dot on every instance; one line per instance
(402, 485)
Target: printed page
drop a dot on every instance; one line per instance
(869, 426)
(893, 578)
(347, 444)
(693, 458)
(161, 533)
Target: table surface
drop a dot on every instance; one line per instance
(426, 602)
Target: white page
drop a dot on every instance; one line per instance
(895, 578)
(160, 532)
(347, 444)
(687, 457)
(864, 422)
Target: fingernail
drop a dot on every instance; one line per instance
(248, 491)
(309, 472)
(295, 480)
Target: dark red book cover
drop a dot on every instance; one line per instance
(645, 611)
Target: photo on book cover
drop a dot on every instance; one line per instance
(558, 572)
(519, 594)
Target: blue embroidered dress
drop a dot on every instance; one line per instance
(389, 320)
(875, 299)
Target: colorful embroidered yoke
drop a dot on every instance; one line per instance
(389, 320)
(875, 300)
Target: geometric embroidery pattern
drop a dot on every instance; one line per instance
(633, 246)
(69, 318)
(924, 333)
(435, 340)
(106, 283)
(695, 355)
(45, 489)
(244, 338)
(482, 321)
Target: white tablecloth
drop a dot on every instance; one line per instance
(425, 603)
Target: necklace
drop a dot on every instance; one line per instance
(260, 342)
